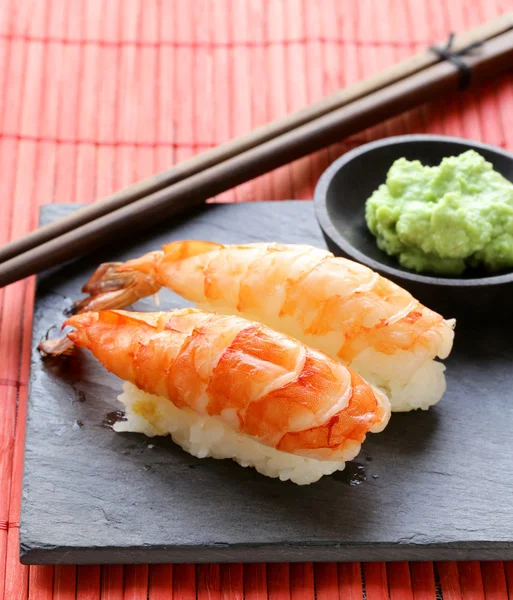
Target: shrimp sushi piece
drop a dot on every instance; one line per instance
(336, 305)
(226, 387)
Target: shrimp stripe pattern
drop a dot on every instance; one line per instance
(261, 383)
(336, 305)
(322, 293)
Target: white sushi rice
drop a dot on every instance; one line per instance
(204, 436)
(408, 378)
(410, 382)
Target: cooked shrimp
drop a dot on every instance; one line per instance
(258, 382)
(341, 307)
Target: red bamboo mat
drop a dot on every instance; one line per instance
(95, 95)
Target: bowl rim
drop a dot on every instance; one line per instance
(326, 224)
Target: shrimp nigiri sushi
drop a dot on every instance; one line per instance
(336, 305)
(229, 388)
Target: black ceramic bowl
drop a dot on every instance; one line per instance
(340, 198)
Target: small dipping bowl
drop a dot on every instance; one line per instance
(340, 197)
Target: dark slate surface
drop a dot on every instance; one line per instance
(438, 484)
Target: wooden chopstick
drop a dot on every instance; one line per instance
(492, 58)
(237, 146)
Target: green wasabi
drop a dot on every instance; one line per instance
(444, 219)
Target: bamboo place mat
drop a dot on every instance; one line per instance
(96, 94)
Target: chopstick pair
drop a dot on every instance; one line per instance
(401, 87)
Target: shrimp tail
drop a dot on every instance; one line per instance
(116, 285)
(113, 285)
(62, 346)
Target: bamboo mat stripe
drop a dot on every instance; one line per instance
(229, 45)
(95, 95)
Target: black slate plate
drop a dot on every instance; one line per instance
(438, 484)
